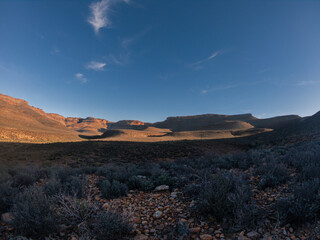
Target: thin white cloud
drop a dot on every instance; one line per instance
(197, 65)
(81, 78)
(205, 91)
(125, 42)
(96, 66)
(55, 51)
(307, 83)
(100, 11)
(231, 86)
(213, 55)
(121, 59)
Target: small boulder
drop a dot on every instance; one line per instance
(173, 194)
(206, 237)
(140, 237)
(6, 217)
(253, 235)
(195, 230)
(161, 188)
(157, 214)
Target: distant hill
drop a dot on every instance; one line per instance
(206, 122)
(224, 122)
(275, 122)
(21, 122)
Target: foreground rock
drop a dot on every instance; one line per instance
(161, 188)
(6, 217)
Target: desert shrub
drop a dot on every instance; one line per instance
(149, 169)
(27, 176)
(34, 214)
(272, 174)
(300, 155)
(112, 189)
(192, 190)
(4, 175)
(75, 212)
(89, 170)
(227, 197)
(109, 225)
(163, 179)
(23, 179)
(178, 168)
(10, 237)
(180, 231)
(268, 181)
(214, 196)
(303, 206)
(7, 193)
(204, 162)
(242, 160)
(310, 170)
(72, 185)
(140, 183)
(52, 187)
(64, 173)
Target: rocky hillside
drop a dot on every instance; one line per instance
(224, 122)
(21, 122)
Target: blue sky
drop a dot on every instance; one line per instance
(146, 60)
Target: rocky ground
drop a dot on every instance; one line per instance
(165, 214)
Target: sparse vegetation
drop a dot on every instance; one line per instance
(34, 214)
(112, 189)
(221, 188)
(110, 225)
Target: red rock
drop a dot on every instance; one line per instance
(206, 237)
(140, 237)
(6, 217)
(195, 230)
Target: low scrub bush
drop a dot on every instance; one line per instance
(192, 190)
(227, 197)
(163, 179)
(273, 173)
(303, 206)
(140, 183)
(109, 225)
(72, 185)
(34, 214)
(112, 189)
(7, 194)
(76, 212)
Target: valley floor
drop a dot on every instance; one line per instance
(242, 188)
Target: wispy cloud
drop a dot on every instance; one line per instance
(231, 86)
(213, 89)
(198, 65)
(307, 83)
(125, 42)
(55, 51)
(121, 59)
(100, 13)
(81, 78)
(96, 66)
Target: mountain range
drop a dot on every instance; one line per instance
(24, 123)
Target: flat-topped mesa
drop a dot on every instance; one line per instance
(128, 124)
(131, 122)
(240, 117)
(207, 122)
